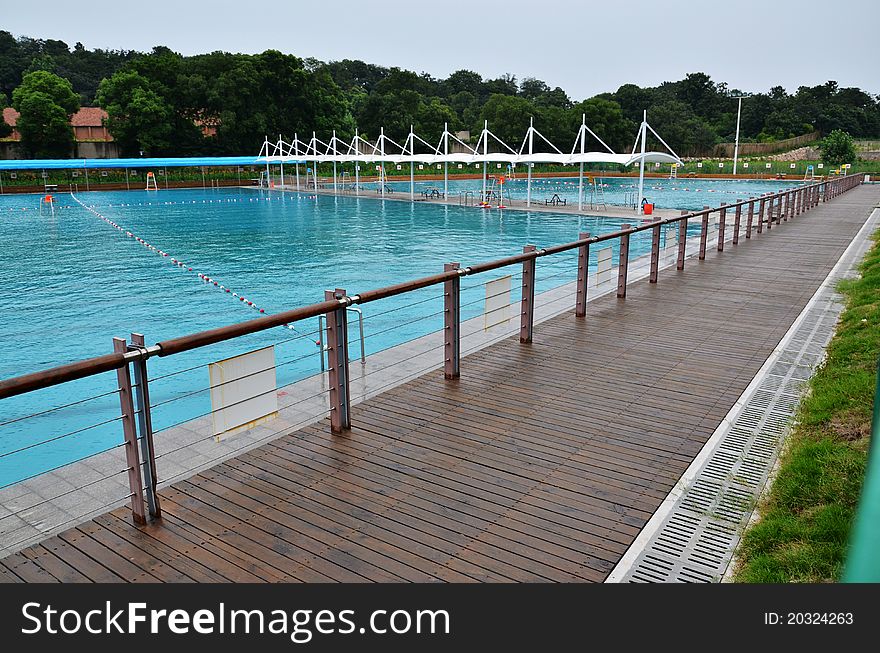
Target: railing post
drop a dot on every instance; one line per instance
(145, 427)
(337, 363)
(789, 206)
(762, 205)
(800, 201)
(682, 241)
(781, 208)
(623, 261)
(722, 223)
(527, 310)
(452, 324)
(655, 253)
(737, 219)
(750, 216)
(704, 234)
(126, 404)
(580, 307)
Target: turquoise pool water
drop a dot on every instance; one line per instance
(72, 281)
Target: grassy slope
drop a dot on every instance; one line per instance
(806, 518)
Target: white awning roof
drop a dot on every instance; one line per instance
(282, 152)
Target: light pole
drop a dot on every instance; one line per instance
(736, 143)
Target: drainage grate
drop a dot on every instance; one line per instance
(695, 541)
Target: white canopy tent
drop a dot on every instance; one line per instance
(386, 150)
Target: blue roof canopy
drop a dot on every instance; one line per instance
(178, 162)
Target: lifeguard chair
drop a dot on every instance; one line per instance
(151, 179)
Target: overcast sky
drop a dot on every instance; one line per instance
(586, 47)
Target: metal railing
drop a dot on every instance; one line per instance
(323, 347)
(129, 360)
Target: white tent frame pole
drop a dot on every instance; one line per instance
(583, 134)
(382, 161)
(445, 162)
(315, 164)
(644, 130)
(357, 164)
(412, 151)
(267, 162)
(485, 154)
(296, 153)
(335, 156)
(531, 148)
(281, 152)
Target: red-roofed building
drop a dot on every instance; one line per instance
(87, 123)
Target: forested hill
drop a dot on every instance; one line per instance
(161, 102)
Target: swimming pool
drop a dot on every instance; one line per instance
(72, 280)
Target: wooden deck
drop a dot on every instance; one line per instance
(541, 464)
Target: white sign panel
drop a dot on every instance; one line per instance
(243, 391)
(670, 239)
(497, 302)
(603, 265)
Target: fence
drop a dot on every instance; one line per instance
(133, 472)
(761, 149)
(84, 179)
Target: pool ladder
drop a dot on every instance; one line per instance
(324, 348)
(597, 194)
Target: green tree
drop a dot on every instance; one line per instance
(45, 102)
(508, 118)
(431, 117)
(138, 117)
(686, 133)
(604, 117)
(5, 129)
(837, 148)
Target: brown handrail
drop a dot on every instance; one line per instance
(91, 366)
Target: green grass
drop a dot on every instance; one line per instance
(806, 519)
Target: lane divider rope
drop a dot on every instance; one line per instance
(205, 278)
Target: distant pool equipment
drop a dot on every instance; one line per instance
(151, 179)
(49, 202)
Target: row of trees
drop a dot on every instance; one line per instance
(160, 102)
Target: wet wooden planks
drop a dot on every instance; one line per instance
(542, 463)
